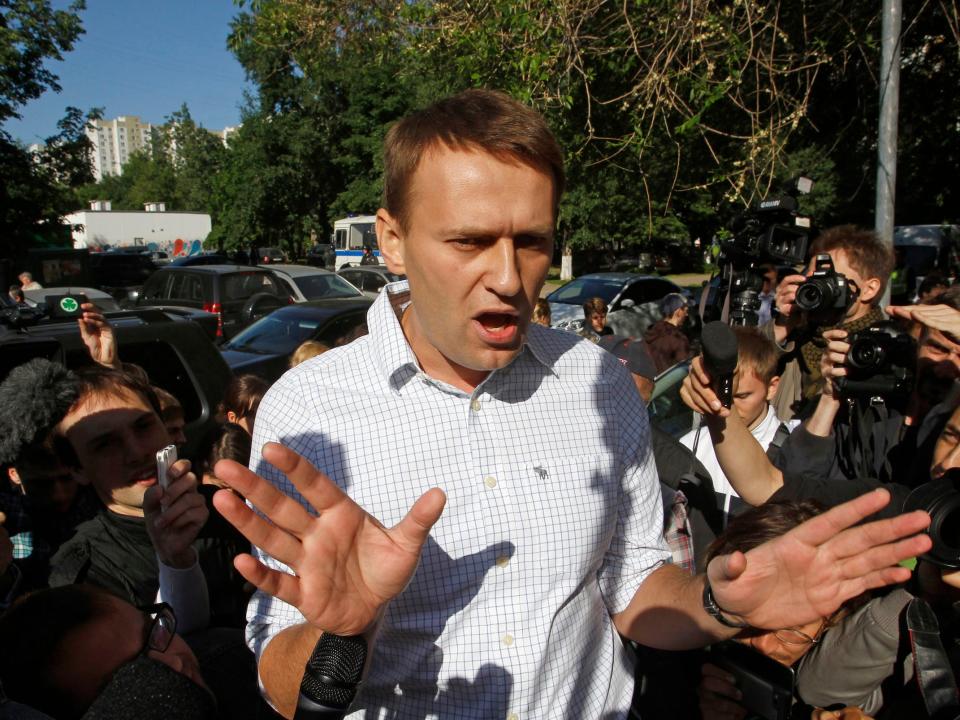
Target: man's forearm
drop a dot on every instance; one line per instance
(820, 423)
(282, 664)
(667, 613)
(743, 460)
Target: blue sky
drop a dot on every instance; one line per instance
(145, 58)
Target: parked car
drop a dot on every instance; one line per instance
(632, 301)
(310, 283)
(265, 347)
(370, 279)
(269, 255)
(175, 352)
(103, 300)
(237, 295)
(116, 272)
(204, 258)
(322, 255)
(666, 409)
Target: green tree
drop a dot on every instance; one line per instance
(36, 189)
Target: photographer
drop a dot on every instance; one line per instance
(848, 436)
(864, 263)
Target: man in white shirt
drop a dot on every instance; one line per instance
(756, 386)
(509, 602)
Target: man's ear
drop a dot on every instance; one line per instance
(390, 240)
(772, 387)
(869, 290)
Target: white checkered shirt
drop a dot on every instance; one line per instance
(553, 519)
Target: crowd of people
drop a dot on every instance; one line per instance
(482, 500)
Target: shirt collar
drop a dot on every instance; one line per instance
(395, 357)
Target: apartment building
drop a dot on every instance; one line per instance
(114, 141)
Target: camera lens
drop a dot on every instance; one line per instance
(866, 355)
(809, 295)
(950, 529)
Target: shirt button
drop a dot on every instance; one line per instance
(502, 561)
(475, 405)
(490, 482)
(507, 639)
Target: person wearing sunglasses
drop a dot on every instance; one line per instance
(63, 646)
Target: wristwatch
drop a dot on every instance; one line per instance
(713, 610)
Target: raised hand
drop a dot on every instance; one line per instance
(97, 335)
(939, 317)
(810, 571)
(175, 516)
(697, 393)
(347, 564)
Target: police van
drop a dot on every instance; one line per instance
(351, 235)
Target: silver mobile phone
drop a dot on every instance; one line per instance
(165, 458)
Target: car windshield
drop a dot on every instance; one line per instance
(279, 333)
(315, 287)
(577, 292)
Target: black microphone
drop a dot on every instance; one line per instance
(719, 344)
(331, 677)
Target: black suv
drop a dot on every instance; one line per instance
(116, 272)
(322, 255)
(238, 295)
(176, 353)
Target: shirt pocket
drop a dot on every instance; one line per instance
(565, 513)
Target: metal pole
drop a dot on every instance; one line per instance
(887, 135)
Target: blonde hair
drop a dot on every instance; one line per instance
(757, 354)
(307, 350)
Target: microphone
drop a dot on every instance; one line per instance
(719, 344)
(331, 677)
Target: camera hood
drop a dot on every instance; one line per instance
(941, 499)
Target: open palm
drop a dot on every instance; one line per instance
(810, 571)
(347, 564)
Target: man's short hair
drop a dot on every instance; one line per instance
(756, 353)
(671, 302)
(242, 396)
(865, 252)
(485, 120)
(594, 305)
(170, 407)
(757, 525)
(949, 297)
(100, 381)
(541, 311)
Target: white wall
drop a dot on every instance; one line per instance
(178, 233)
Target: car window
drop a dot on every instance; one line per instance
(577, 292)
(375, 281)
(667, 409)
(343, 329)
(648, 291)
(242, 285)
(314, 287)
(194, 288)
(155, 286)
(275, 333)
(353, 277)
(177, 289)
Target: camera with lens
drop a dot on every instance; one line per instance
(940, 498)
(881, 361)
(772, 232)
(826, 293)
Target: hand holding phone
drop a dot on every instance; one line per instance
(165, 458)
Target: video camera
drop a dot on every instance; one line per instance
(825, 294)
(881, 361)
(773, 232)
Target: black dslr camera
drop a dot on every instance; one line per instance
(881, 361)
(826, 293)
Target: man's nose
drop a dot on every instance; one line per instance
(503, 271)
(952, 459)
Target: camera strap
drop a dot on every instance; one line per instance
(932, 669)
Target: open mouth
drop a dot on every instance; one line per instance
(497, 327)
(147, 476)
